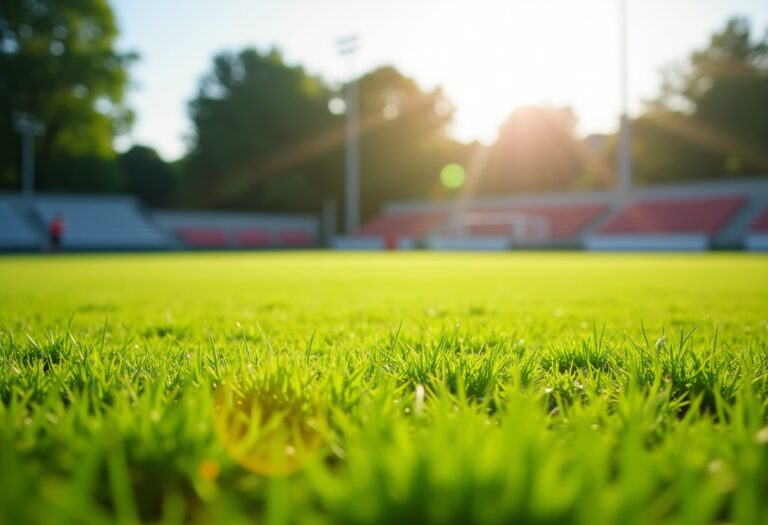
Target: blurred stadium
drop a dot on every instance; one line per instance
(692, 217)
(370, 161)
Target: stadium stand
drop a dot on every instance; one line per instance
(17, 229)
(203, 237)
(689, 216)
(499, 228)
(560, 222)
(413, 225)
(215, 230)
(673, 216)
(294, 238)
(761, 223)
(693, 216)
(102, 222)
(484, 224)
(402, 230)
(252, 238)
(757, 236)
(729, 214)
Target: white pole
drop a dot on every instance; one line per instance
(329, 221)
(353, 159)
(29, 128)
(625, 138)
(27, 164)
(348, 46)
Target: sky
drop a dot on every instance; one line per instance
(489, 56)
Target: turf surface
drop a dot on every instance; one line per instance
(384, 388)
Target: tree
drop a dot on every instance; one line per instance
(58, 63)
(265, 138)
(711, 118)
(256, 118)
(404, 142)
(536, 151)
(148, 176)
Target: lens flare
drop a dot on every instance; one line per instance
(453, 176)
(337, 106)
(269, 431)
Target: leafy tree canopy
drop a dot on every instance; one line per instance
(254, 118)
(711, 118)
(264, 137)
(58, 63)
(148, 176)
(536, 151)
(404, 142)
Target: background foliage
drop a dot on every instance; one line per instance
(263, 136)
(58, 63)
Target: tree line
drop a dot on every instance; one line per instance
(267, 135)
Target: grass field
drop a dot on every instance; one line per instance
(384, 388)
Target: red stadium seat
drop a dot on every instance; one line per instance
(252, 238)
(412, 224)
(203, 237)
(563, 221)
(295, 238)
(703, 215)
(761, 223)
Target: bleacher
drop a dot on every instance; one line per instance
(691, 216)
(761, 223)
(673, 216)
(395, 230)
(481, 225)
(562, 221)
(17, 231)
(688, 216)
(217, 230)
(103, 222)
(667, 223)
(757, 236)
(98, 222)
(203, 237)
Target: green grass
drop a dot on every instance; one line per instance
(440, 388)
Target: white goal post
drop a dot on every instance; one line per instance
(517, 226)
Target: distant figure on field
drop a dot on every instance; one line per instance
(55, 232)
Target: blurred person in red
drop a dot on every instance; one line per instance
(55, 232)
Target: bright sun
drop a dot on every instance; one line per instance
(521, 53)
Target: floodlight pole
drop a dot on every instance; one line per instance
(348, 46)
(625, 136)
(28, 127)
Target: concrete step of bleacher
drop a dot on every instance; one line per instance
(17, 229)
(94, 222)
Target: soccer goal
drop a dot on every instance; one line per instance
(515, 226)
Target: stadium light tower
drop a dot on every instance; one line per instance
(29, 128)
(348, 46)
(624, 160)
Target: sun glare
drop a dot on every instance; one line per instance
(453, 176)
(528, 53)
